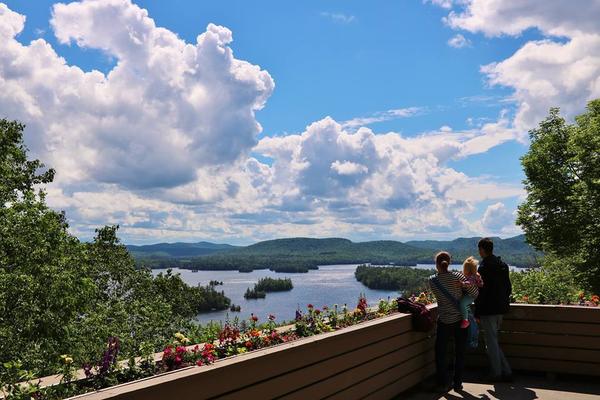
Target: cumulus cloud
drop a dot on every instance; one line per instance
(166, 109)
(165, 143)
(561, 70)
(458, 41)
(360, 175)
(497, 218)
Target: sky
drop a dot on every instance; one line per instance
(238, 121)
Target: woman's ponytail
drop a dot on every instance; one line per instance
(442, 260)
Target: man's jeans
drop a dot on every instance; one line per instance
(443, 335)
(498, 364)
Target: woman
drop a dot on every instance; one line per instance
(448, 323)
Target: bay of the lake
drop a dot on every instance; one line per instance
(329, 285)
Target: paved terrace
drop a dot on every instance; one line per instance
(524, 387)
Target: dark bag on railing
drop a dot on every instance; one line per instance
(422, 319)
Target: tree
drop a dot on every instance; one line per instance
(59, 295)
(561, 215)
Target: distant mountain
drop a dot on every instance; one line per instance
(177, 250)
(301, 254)
(463, 247)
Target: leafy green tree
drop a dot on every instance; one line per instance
(62, 296)
(561, 215)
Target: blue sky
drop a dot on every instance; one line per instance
(340, 59)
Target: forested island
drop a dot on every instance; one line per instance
(405, 279)
(303, 254)
(266, 285)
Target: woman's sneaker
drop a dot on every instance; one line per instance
(464, 323)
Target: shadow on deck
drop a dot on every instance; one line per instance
(524, 387)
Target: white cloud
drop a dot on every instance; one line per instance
(165, 110)
(382, 116)
(458, 41)
(339, 17)
(160, 144)
(561, 70)
(498, 219)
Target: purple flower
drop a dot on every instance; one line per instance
(298, 315)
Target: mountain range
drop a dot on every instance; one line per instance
(302, 254)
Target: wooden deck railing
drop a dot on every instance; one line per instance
(549, 338)
(378, 359)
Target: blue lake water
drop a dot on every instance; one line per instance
(329, 285)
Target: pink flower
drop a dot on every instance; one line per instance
(178, 360)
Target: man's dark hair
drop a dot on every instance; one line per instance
(487, 245)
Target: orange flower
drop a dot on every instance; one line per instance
(595, 299)
(526, 299)
(254, 333)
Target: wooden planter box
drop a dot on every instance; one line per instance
(377, 359)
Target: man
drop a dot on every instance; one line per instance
(490, 306)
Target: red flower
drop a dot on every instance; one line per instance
(253, 317)
(180, 350)
(317, 311)
(310, 306)
(248, 344)
(167, 352)
(178, 360)
(199, 363)
(208, 347)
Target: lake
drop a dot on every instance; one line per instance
(329, 285)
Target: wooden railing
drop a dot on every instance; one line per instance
(549, 338)
(378, 359)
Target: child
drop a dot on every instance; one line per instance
(473, 279)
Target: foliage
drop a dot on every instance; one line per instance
(554, 283)
(254, 293)
(406, 279)
(274, 285)
(265, 285)
(561, 215)
(60, 296)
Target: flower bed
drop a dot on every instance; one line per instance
(234, 338)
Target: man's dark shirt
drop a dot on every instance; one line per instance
(494, 296)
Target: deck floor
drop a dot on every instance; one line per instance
(524, 387)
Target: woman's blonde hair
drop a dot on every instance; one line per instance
(470, 266)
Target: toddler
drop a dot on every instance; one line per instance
(473, 279)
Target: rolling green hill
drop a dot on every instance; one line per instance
(176, 250)
(302, 254)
